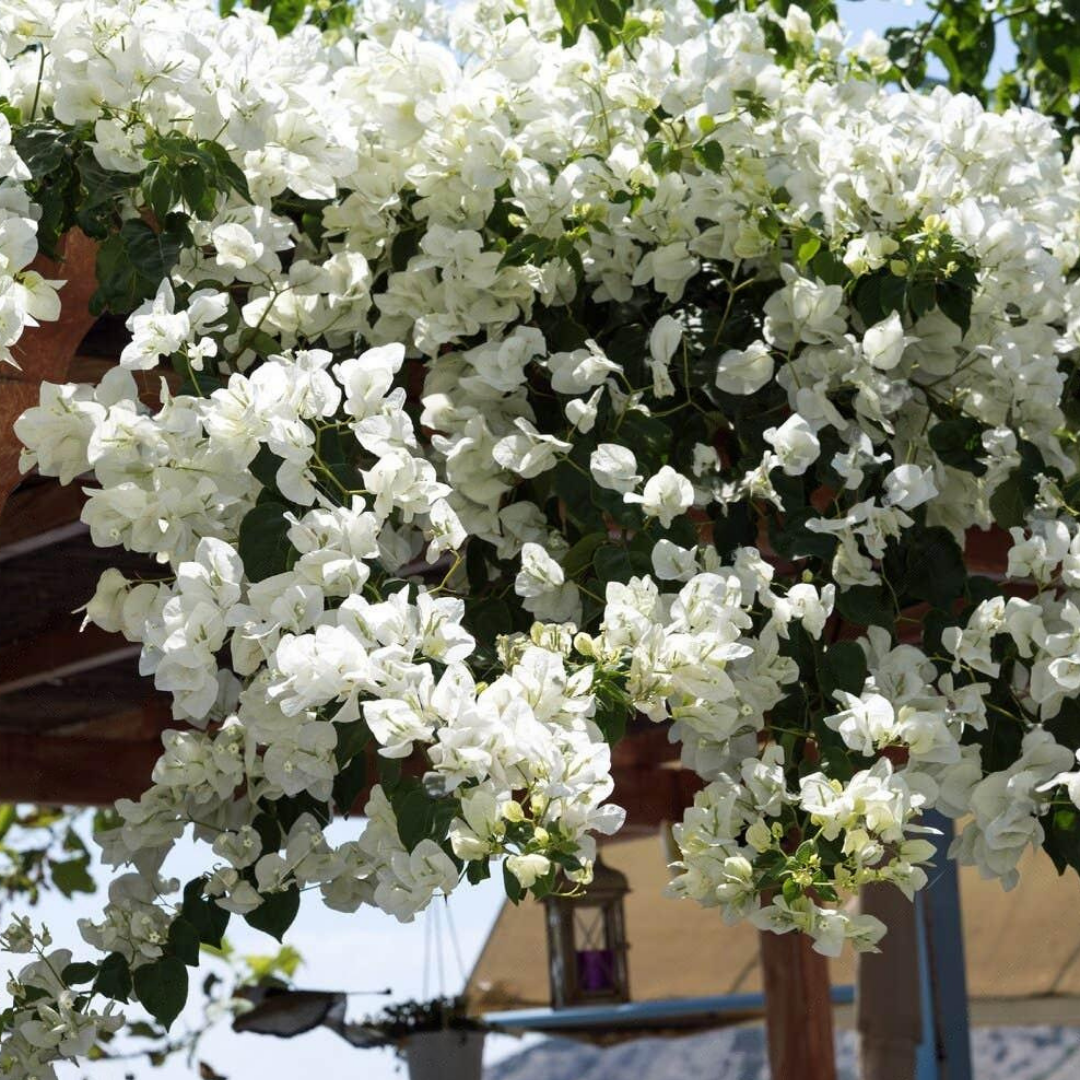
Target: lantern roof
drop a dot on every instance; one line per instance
(607, 882)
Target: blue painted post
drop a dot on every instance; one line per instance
(945, 946)
(926, 1058)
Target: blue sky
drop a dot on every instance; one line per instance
(367, 950)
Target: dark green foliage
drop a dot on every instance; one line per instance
(264, 544)
(1041, 41)
(206, 918)
(114, 978)
(276, 913)
(162, 987)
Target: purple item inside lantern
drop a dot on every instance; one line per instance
(596, 969)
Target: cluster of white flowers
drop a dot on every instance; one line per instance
(528, 386)
(26, 297)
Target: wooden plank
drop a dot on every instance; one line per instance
(888, 1000)
(59, 652)
(798, 1010)
(652, 796)
(98, 761)
(145, 722)
(74, 771)
(38, 515)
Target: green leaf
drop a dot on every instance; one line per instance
(196, 192)
(419, 816)
(580, 557)
(477, 871)
(1012, 499)
(955, 303)
(352, 764)
(43, 146)
(276, 913)
(957, 443)
(829, 268)
(527, 249)
(265, 468)
(867, 298)
(893, 294)
(143, 1030)
(101, 190)
(486, 619)
(162, 988)
(269, 831)
(203, 914)
(76, 974)
(921, 297)
(285, 15)
(932, 567)
(843, 667)
(613, 563)
(72, 876)
(132, 263)
(514, 891)
(613, 710)
(264, 543)
(793, 540)
(226, 169)
(184, 941)
(114, 978)
(349, 782)
(709, 156)
(866, 605)
(806, 245)
(160, 189)
(576, 492)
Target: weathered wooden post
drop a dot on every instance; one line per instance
(798, 1008)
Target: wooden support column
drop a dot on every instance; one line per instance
(44, 352)
(798, 1009)
(888, 999)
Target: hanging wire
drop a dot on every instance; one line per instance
(427, 957)
(434, 933)
(434, 909)
(456, 945)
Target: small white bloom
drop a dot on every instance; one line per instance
(614, 467)
(666, 496)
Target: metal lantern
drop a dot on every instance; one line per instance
(587, 942)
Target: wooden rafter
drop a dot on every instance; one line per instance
(95, 762)
(74, 771)
(59, 652)
(39, 515)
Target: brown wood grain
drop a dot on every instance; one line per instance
(798, 1011)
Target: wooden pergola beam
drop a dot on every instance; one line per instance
(39, 515)
(96, 762)
(74, 771)
(58, 653)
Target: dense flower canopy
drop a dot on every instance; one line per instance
(532, 379)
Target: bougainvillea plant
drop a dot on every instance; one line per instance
(538, 367)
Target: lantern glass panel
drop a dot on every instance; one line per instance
(593, 952)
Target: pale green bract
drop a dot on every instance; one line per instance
(535, 384)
